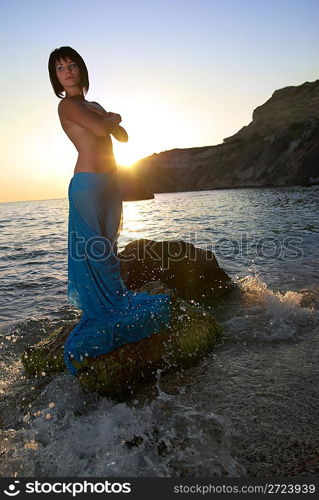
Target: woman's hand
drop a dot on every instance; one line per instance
(119, 132)
(97, 108)
(114, 117)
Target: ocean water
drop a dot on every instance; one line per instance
(249, 408)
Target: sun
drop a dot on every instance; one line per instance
(126, 154)
(153, 125)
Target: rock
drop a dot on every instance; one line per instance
(310, 297)
(132, 189)
(191, 272)
(280, 147)
(192, 335)
(136, 194)
(46, 357)
(286, 107)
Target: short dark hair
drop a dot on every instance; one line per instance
(63, 53)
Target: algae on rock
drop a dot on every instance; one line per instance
(192, 334)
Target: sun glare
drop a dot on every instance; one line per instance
(153, 124)
(126, 154)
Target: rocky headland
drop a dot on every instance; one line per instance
(279, 147)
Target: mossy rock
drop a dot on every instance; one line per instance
(46, 357)
(192, 334)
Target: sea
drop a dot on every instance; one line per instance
(249, 408)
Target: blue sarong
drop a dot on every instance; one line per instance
(112, 314)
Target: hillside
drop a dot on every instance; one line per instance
(279, 147)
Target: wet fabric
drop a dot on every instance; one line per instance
(112, 314)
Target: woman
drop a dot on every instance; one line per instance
(112, 314)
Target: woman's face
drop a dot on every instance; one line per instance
(68, 73)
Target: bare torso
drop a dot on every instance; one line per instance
(95, 153)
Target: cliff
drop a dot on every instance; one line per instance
(279, 147)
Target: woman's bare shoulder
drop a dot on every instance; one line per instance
(67, 101)
(70, 106)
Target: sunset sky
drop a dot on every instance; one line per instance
(181, 73)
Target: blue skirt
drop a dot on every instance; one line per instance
(112, 314)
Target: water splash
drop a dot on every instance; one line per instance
(270, 315)
(69, 433)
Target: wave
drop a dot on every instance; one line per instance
(69, 433)
(271, 315)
